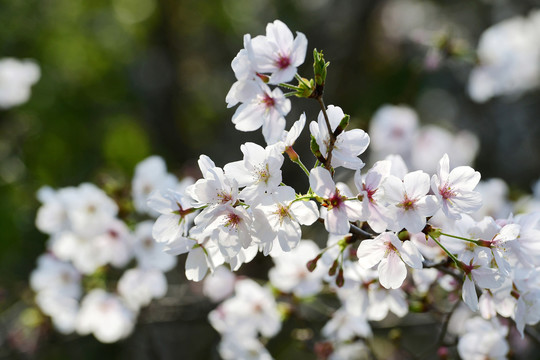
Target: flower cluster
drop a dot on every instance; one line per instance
(73, 281)
(391, 223)
(417, 219)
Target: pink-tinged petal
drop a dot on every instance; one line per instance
(377, 220)
(239, 172)
(355, 141)
(345, 159)
(520, 316)
(253, 153)
(205, 164)
(358, 180)
(393, 189)
(283, 75)
(273, 128)
(468, 294)
(435, 184)
(296, 130)
(280, 33)
(411, 220)
(335, 115)
(298, 51)
(466, 202)
(410, 255)
(196, 267)
(242, 91)
(282, 105)
(370, 252)
(444, 167)
(305, 212)
(160, 203)
(166, 228)
(427, 205)
(416, 184)
(289, 235)
(248, 117)
(377, 173)
(464, 178)
(321, 182)
(487, 277)
(337, 222)
(392, 271)
(508, 232)
(354, 210)
(179, 246)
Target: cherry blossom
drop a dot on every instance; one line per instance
(277, 53)
(391, 255)
(454, 189)
(348, 144)
(337, 210)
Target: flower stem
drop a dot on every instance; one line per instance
(461, 238)
(332, 141)
(301, 164)
(446, 250)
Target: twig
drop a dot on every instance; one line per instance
(330, 146)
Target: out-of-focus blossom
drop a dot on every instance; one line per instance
(509, 56)
(16, 79)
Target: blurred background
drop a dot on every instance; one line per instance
(124, 79)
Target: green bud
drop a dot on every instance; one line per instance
(342, 125)
(315, 150)
(319, 67)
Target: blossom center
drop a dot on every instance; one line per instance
(408, 204)
(233, 220)
(224, 197)
(268, 101)
(181, 211)
(335, 201)
(370, 192)
(262, 173)
(283, 62)
(282, 212)
(446, 192)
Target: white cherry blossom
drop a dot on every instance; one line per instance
(454, 189)
(348, 144)
(336, 210)
(259, 171)
(277, 53)
(391, 254)
(409, 202)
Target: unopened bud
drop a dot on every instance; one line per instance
(312, 264)
(342, 125)
(292, 154)
(264, 78)
(315, 150)
(484, 243)
(340, 279)
(333, 268)
(319, 67)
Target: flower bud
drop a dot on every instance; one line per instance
(333, 268)
(312, 264)
(340, 279)
(342, 125)
(319, 67)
